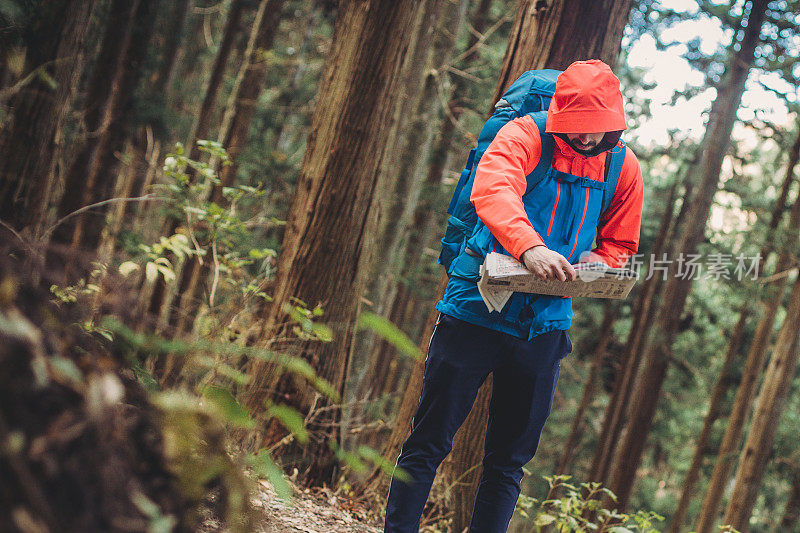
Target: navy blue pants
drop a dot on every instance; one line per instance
(460, 357)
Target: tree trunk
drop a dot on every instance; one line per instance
(330, 219)
(535, 30)
(589, 389)
(205, 116)
(734, 345)
(172, 43)
(116, 75)
(715, 144)
(159, 298)
(766, 417)
(405, 172)
(626, 368)
(791, 514)
(377, 481)
(554, 34)
(745, 394)
(31, 138)
(714, 411)
(114, 220)
(233, 136)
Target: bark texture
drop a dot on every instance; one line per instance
(31, 138)
(330, 215)
(555, 33)
(117, 73)
(406, 173)
(769, 407)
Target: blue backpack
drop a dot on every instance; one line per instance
(529, 95)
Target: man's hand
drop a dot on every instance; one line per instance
(547, 264)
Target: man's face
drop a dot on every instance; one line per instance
(585, 141)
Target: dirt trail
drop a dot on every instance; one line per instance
(310, 512)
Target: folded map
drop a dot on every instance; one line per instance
(502, 275)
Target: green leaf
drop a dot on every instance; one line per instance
(151, 272)
(323, 332)
(291, 419)
(264, 466)
(233, 412)
(159, 523)
(168, 274)
(240, 378)
(371, 454)
(350, 459)
(544, 519)
(127, 268)
(391, 334)
(66, 369)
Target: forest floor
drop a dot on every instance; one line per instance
(311, 511)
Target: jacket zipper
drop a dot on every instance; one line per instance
(577, 233)
(555, 205)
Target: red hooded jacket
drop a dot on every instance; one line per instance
(587, 100)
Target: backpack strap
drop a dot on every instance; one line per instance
(614, 160)
(548, 145)
(451, 210)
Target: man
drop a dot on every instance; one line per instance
(548, 228)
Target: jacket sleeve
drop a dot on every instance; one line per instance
(618, 230)
(500, 183)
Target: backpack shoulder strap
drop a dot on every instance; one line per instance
(614, 160)
(548, 145)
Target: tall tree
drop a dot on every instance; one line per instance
(172, 44)
(330, 217)
(233, 135)
(433, 50)
(766, 417)
(745, 393)
(791, 514)
(724, 380)
(116, 75)
(205, 116)
(643, 314)
(159, 297)
(54, 42)
(715, 144)
(402, 313)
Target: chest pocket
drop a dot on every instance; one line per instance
(564, 209)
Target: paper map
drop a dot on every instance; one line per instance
(502, 275)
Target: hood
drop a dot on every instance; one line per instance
(587, 100)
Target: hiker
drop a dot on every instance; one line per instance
(545, 211)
